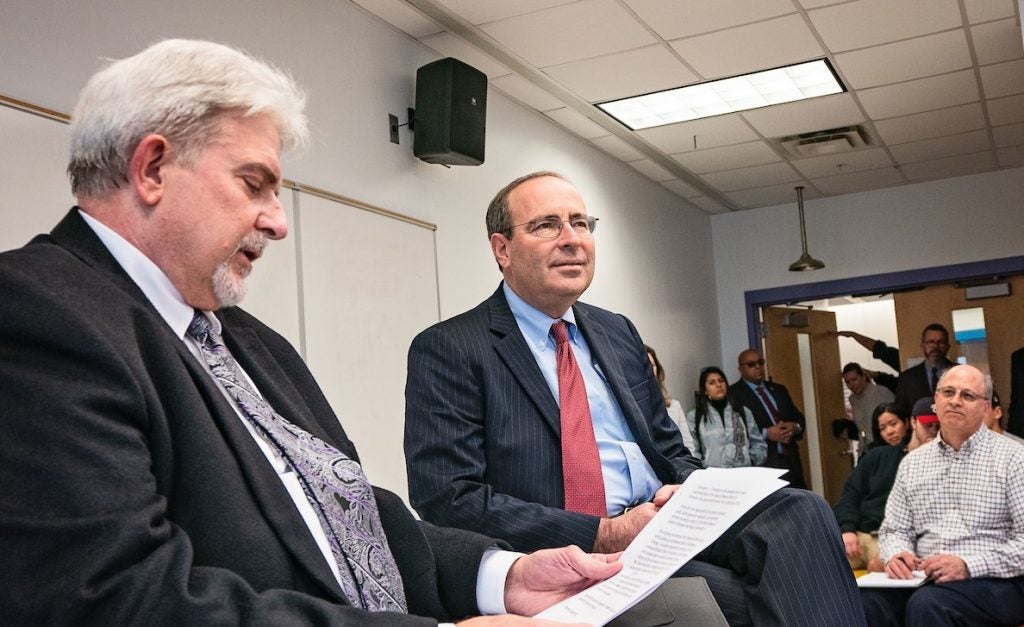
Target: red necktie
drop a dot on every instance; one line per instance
(581, 464)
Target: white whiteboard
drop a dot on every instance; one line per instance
(349, 288)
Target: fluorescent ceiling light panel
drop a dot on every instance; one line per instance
(726, 95)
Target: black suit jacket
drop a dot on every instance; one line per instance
(913, 385)
(482, 427)
(788, 411)
(132, 491)
(1015, 424)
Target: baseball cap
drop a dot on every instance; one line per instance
(923, 411)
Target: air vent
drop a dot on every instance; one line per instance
(828, 142)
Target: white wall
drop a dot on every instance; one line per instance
(654, 252)
(958, 220)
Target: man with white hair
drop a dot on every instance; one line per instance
(167, 458)
(955, 512)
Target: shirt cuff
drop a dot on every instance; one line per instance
(490, 579)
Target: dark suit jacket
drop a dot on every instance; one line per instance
(913, 385)
(788, 411)
(482, 427)
(1015, 424)
(132, 492)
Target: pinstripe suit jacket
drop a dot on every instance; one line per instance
(482, 427)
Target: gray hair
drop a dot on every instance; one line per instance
(498, 217)
(177, 88)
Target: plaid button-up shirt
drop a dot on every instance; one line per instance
(968, 503)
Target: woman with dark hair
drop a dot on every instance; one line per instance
(724, 432)
(861, 507)
(674, 407)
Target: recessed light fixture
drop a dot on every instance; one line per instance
(726, 95)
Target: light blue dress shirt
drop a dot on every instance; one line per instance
(628, 478)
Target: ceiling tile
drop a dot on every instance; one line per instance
(673, 19)
(618, 148)
(926, 94)
(727, 157)
(814, 4)
(905, 60)
(765, 196)
(477, 12)
(682, 188)
(919, 126)
(871, 22)
(570, 32)
(403, 16)
(577, 123)
(1010, 157)
(805, 116)
(950, 166)
(1010, 135)
(749, 178)
(709, 204)
(985, 10)
(997, 41)
(855, 161)
(450, 45)
(527, 93)
(622, 74)
(859, 181)
(1003, 79)
(765, 45)
(652, 170)
(721, 130)
(1006, 110)
(964, 143)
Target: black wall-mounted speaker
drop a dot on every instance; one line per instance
(451, 113)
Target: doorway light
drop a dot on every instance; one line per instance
(726, 95)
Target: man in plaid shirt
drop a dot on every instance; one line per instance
(955, 513)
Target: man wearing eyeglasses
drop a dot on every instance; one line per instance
(956, 515)
(781, 422)
(920, 381)
(537, 419)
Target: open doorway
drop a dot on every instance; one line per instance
(894, 307)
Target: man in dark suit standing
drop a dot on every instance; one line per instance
(1015, 425)
(537, 419)
(781, 422)
(167, 458)
(919, 381)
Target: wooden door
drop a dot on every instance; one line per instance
(801, 355)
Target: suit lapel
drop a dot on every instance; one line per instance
(597, 339)
(512, 349)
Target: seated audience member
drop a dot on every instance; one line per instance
(145, 479)
(865, 396)
(996, 420)
(674, 407)
(725, 433)
(535, 418)
(861, 507)
(780, 420)
(919, 381)
(955, 512)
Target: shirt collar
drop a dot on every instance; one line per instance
(534, 324)
(165, 298)
(971, 443)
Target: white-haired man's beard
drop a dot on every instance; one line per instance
(228, 287)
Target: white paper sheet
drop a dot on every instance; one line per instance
(708, 502)
(882, 580)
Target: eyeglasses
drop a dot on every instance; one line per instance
(968, 396)
(754, 364)
(936, 342)
(550, 228)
